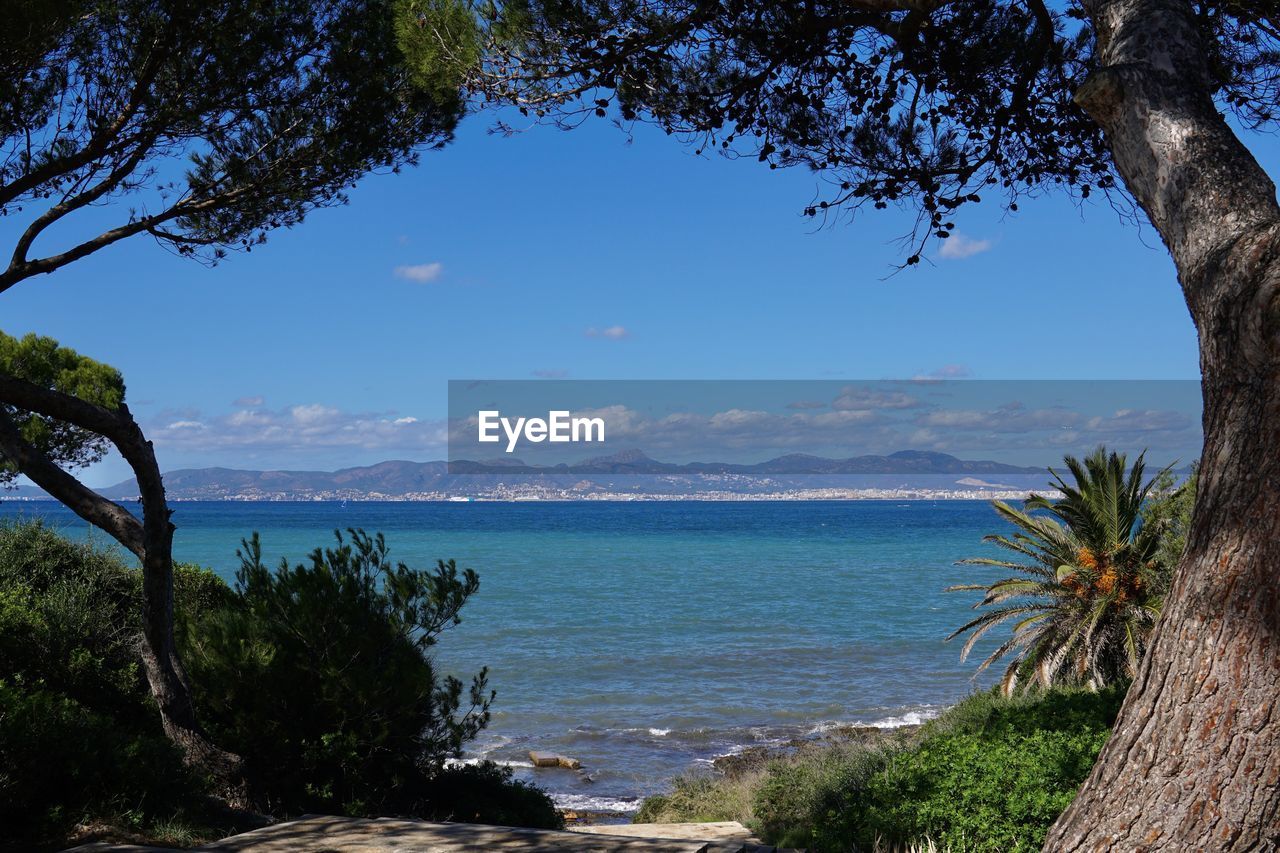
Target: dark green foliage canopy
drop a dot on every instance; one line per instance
(78, 740)
(935, 101)
(41, 361)
(361, 715)
(320, 677)
(218, 121)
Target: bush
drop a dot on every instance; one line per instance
(319, 675)
(699, 798)
(64, 764)
(991, 774)
(79, 740)
(486, 793)
(1169, 511)
(196, 591)
(807, 800)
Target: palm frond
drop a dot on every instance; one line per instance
(1080, 607)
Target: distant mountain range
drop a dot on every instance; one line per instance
(636, 462)
(629, 472)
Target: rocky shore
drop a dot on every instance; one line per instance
(757, 757)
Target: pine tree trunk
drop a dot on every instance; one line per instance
(165, 674)
(1194, 762)
(151, 540)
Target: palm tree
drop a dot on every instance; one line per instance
(1086, 598)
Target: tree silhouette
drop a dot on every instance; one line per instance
(203, 125)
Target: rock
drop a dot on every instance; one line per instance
(755, 758)
(723, 830)
(871, 734)
(551, 759)
(752, 758)
(594, 818)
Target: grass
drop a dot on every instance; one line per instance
(699, 798)
(177, 832)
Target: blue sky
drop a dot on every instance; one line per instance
(589, 254)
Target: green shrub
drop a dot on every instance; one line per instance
(698, 798)
(196, 591)
(319, 675)
(63, 763)
(1169, 511)
(990, 774)
(70, 614)
(486, 793)
(975, 793)
(79, 739)
(807, 800)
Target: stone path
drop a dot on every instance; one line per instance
(325, 834)
(728, 830)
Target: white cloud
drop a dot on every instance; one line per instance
(710, 436)
(853, 398)
(958, 246)
(613, 333)
(313, 414)
(1138, 421)
(302, 427)
(419, 273)
(1013, 418)
(248, 402)
(246, 418)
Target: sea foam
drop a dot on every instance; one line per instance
(585, 803)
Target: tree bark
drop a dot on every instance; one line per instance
(1194, 761)
(150, 540)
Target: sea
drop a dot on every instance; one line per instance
(645, 639)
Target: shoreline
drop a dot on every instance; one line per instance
(752, 759)
(742, 757)
(815, 495)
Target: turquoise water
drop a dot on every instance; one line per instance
(646, 638)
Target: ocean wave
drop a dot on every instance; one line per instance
(650, 731)
(739, 748)
(585, 803)
(911, 718)
(908, 718)
(472, 762)
(782, 737)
